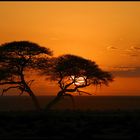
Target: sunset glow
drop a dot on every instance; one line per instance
(105, 32)
(79, 80)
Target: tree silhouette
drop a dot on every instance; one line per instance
(15, 59)
(73, 73)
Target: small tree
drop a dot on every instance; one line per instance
(73, 73)
(15, 59)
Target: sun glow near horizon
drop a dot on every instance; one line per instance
(105, 32)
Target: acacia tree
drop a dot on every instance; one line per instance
(15, 59)
(73, 73)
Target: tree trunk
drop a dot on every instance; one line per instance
(55, 100)
(32, 95)
(30, 92)
(34, 99)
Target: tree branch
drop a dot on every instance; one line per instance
(21, 92)
(73, 81)
(5, 90)
(76, 87)
(8, 83)
(30, 82)
(86, 82)
(59, 82)
(83, 92)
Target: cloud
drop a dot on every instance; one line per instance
(123, 68)
(134, 55)
(133, 51)
(111, 47)
(126, 71)
(129, 50)
(135, 48)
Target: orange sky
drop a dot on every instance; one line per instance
(106, 32)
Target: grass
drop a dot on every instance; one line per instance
(65, 124)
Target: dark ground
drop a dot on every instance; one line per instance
(69, 124)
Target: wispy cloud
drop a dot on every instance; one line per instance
(111, 47)
(136, 48)
(123, 68)
(132, 51)
(125, 71)
(134, 55)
